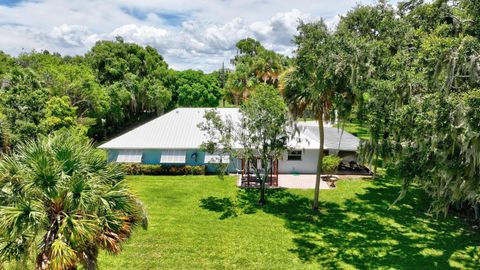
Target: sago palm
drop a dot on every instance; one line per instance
(60, 201)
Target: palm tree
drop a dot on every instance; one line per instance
(240, 83)
(268, 67)
(62, 202)
(308, 85)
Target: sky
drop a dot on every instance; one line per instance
(189, 34)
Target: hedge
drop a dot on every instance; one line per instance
(147, 169)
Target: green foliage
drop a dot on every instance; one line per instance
(330, 164)
(114, 60)
(115, 84)
(6, 63)
(153, 169)
(253, 65)
(135, 78)
(22, 103)
(59, 113)
(193, 88)
(5, 134)
(74, 79)
(62, 202)
(414, 71)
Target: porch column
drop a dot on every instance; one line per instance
(275, 171)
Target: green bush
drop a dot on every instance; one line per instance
(130, 168)
(330, 164)
(151, 169)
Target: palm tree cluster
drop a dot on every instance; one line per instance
(254, 64)
(61, 202)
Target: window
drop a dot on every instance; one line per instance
(173, 156)
(295, 155)
(215, 158)
(130, 156)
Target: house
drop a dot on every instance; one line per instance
(174, 139)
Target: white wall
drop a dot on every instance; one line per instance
(308, 164)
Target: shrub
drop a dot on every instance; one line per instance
(154, 169)
(130, 168)
(330, 164)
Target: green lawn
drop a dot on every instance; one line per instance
(203, 222)
(356, 129)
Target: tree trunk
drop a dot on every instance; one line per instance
(263, 181)
(262, 193)
(375, 164)
(320, 161)
(370, 159)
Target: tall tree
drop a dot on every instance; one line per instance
(260, 135)
(129, 70)
(253, 64)
(22, 102)
(193, 88)
(74, 79)
(311, 83)
(416, 72)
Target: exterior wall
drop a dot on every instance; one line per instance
(151, 157)
(194, 157)
(308, 164)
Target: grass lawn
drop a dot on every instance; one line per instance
(356, 129)
(202, 222)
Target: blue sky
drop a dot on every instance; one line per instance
(197, 34)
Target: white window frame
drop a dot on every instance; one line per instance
(295, 153)
(215, 158)
(173, 156)
(130, 156)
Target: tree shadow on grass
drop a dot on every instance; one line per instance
(363, 232)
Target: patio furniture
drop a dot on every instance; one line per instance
(330, 180)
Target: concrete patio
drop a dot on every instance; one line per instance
(301, 181)
(305, 181)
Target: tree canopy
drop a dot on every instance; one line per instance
(415, 74)
(254, 64)
(193, 88)
(113, 86)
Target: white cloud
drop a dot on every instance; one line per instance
(146, 35)
(197, 34)
(70, 35)
(333, 22)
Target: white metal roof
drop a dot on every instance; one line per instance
(178, 129)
